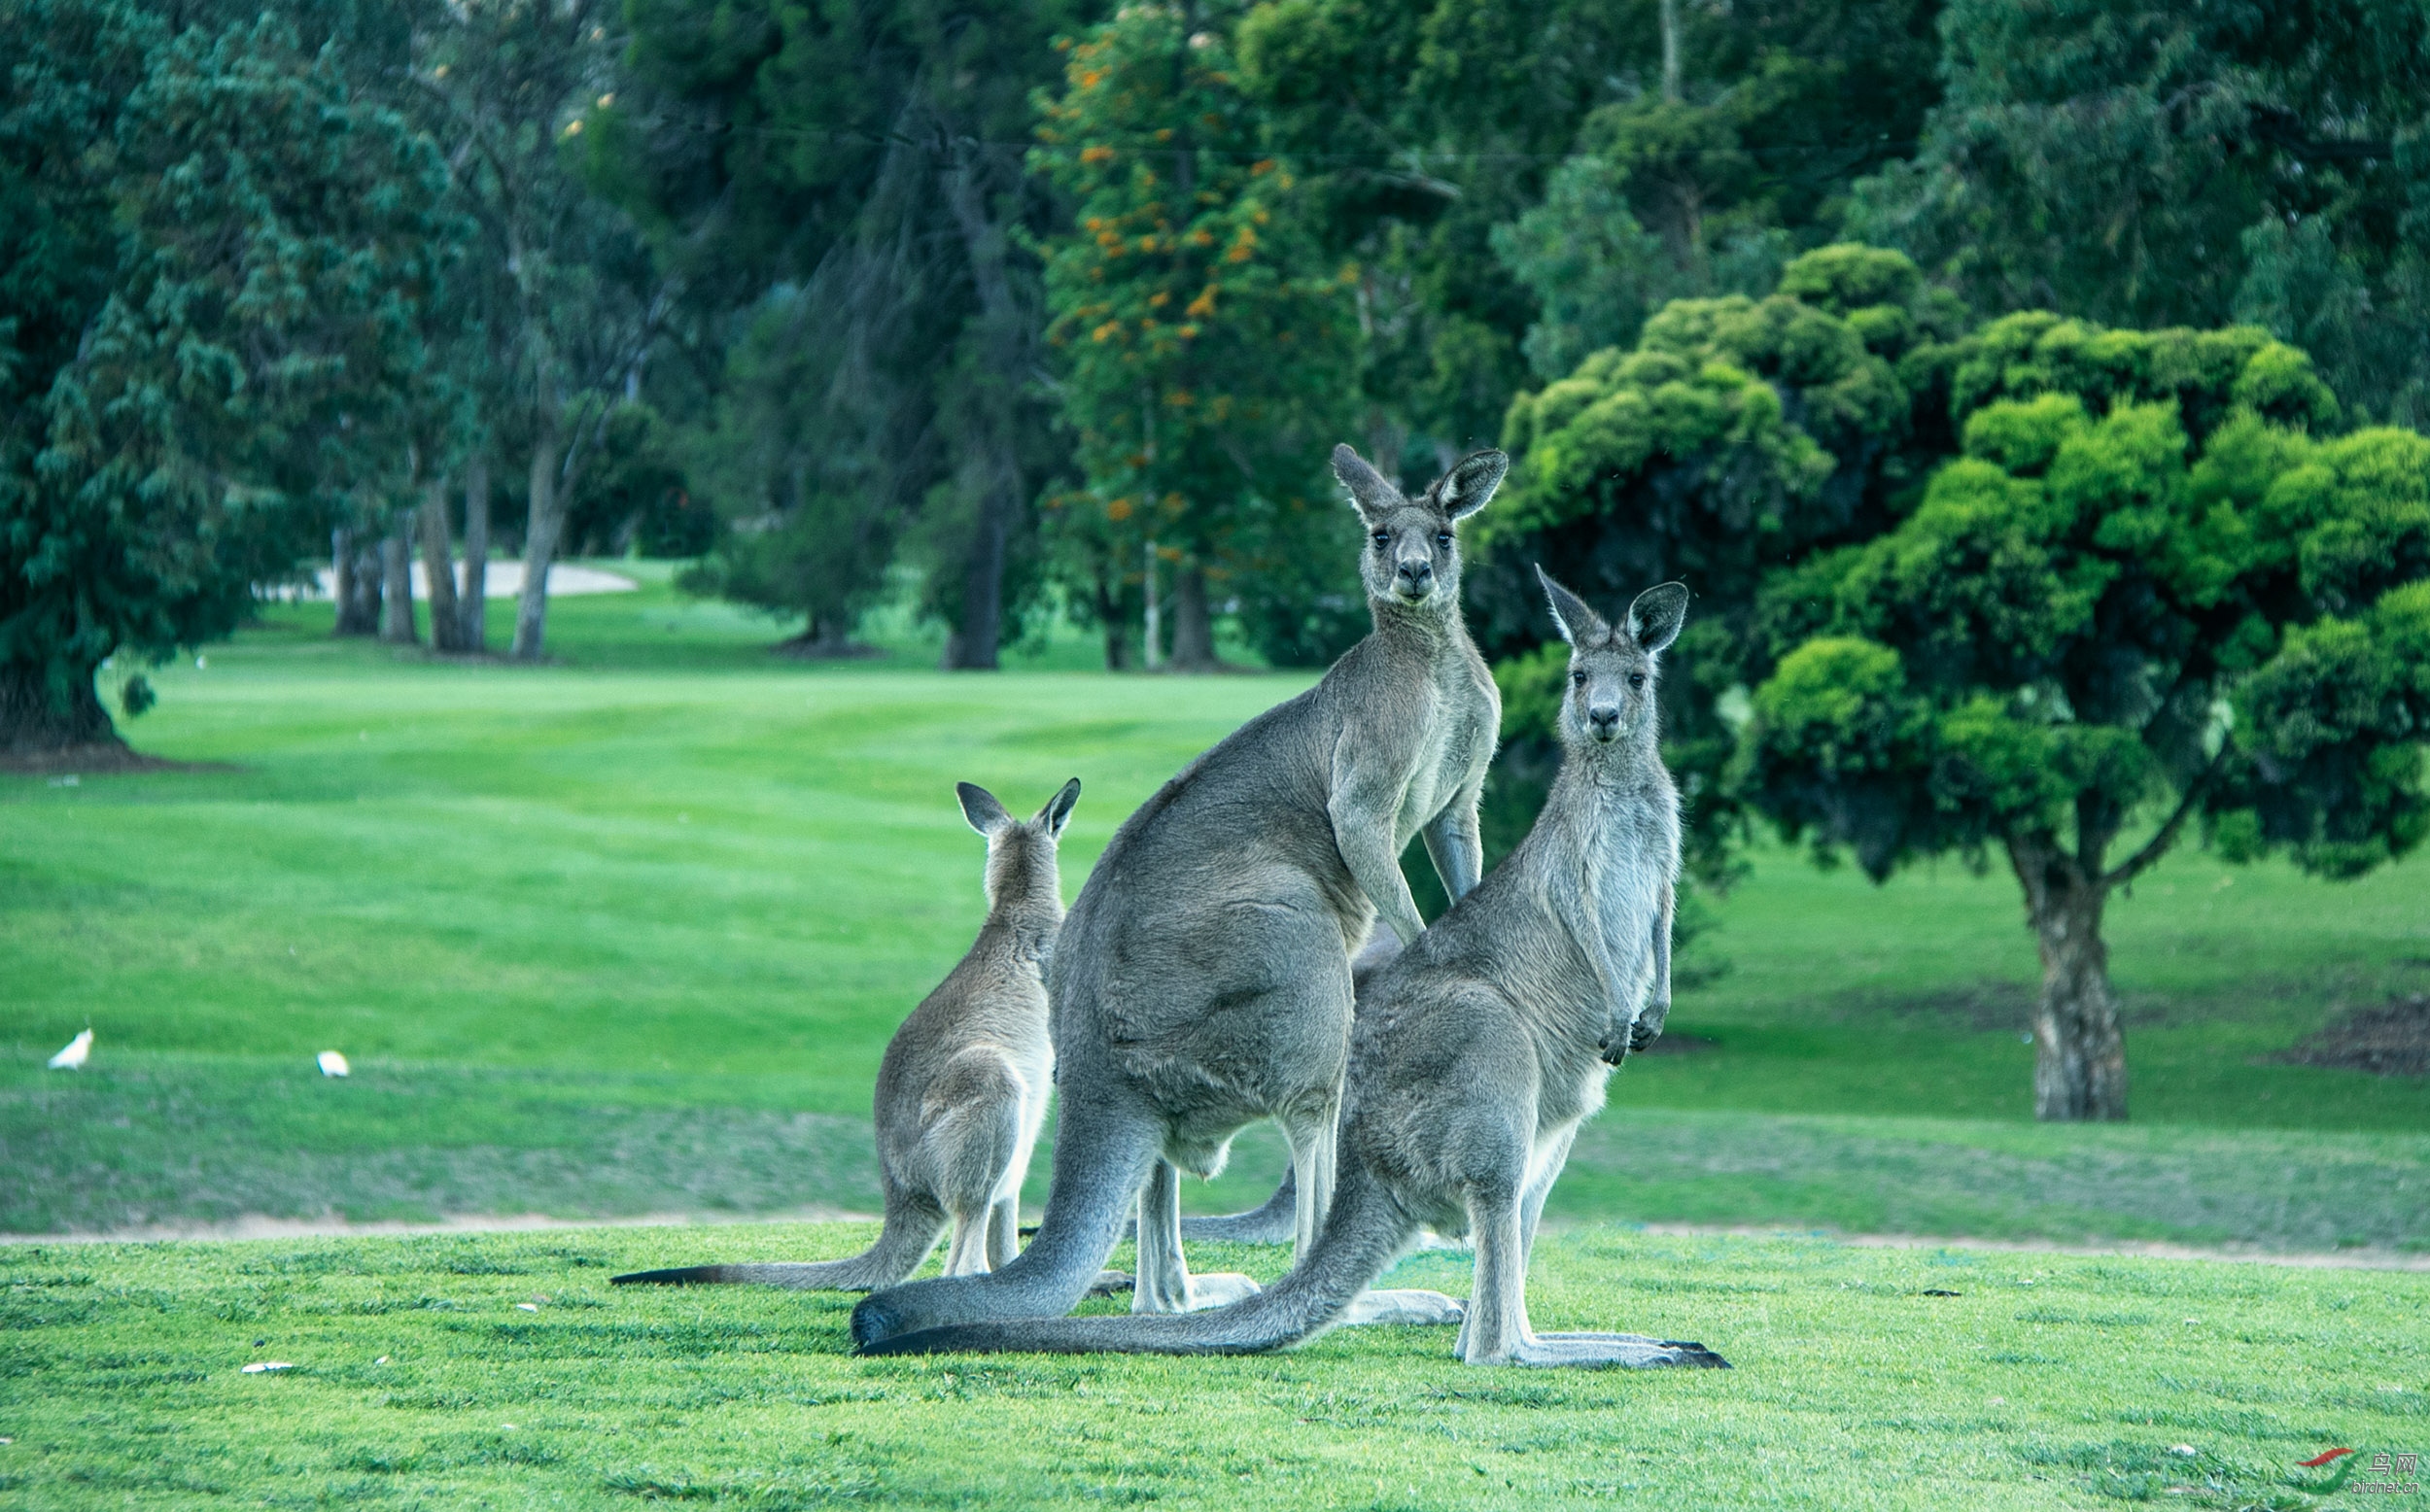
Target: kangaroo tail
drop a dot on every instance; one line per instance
(1368, 1228)
(1276, 1222)
(910, 1233)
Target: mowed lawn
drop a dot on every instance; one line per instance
(503, 1371)
(627, 934)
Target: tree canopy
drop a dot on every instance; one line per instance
(2154, 588)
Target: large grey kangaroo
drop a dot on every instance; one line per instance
(1478, 1053)
(964, 1087)
(1202, 980)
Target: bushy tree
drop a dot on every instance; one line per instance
(1738, 435)
(2154, 588)
(1205, 347)
(209, 255)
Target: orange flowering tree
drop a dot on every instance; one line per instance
(1205, 356)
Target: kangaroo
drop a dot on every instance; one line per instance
(1478, 1053)
(963, 1087)
(1202, 980)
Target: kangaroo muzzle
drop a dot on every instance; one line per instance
(1414, 578)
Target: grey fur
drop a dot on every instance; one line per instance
(1203, 981)
(964, 1087)
(1477, 1053)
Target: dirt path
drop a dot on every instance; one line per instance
(262, 1228)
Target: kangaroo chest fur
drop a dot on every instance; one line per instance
(1462, 723)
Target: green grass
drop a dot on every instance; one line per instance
(628, 933)
(502, 1371)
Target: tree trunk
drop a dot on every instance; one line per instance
(475, 607)
(33, 723)
(1003, 336)
(440, 567)
(357, 590)
(397, 583)
(1670, 51)
(1151, 619)
(1109, 614)
(1193, 622)
(539, 549)
(2080, 1054)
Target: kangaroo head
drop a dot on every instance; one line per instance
(1021, 852)
(1412, 552)
(1613, 667)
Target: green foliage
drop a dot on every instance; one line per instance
(2158, 164)
(1712, 193)
(634, 495)
(1205, 350)
(2098, 605)
(1738, 435)
(212, 258)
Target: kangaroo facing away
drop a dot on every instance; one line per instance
(964, 1084)
(1202, 980)
(1478, 1053)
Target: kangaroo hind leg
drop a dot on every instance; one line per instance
(973, 1134)
(1496, 1331)
(1164, 1284)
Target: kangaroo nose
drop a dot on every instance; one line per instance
(1603, 721)
(1417, 572)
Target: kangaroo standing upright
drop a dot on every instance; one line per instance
(1482, 1047)
(964, 1087)
(1202, 980)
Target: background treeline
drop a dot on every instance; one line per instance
(2029, 394)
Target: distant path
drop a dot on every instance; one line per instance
(505, 580)
(255, 1227)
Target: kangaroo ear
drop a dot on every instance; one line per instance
(980, 807)
(1368, 489)
(1469, 484)
(1580, 625)
(1058, 809)
(1654, 619)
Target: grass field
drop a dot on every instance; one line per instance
(502, 1371)
(627, 934)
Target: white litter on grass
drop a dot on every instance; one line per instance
(382, 1360)
(78, 1052)
(2187, 1449)
(333, 1064)
(258, 1366)
(527, 1307)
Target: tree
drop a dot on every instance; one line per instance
(1706, 187)
(2152, 164)
(849, 176)
(1738, 437)
(577, 299)
(2152, 590)
(1205, 351)
(208, 253)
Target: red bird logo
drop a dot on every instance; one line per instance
(2319, 1461)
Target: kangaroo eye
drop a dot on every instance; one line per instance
(1383, 538)
(1636, 679)
(1443, 539)
(1579, 679)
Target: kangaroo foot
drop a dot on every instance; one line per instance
(1217, 1290)
(1421, 1308)
(1610, 1351)
(1111, 1283)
